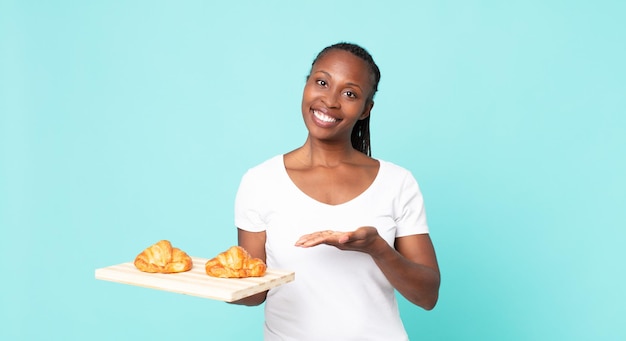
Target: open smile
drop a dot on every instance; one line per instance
(324, 117)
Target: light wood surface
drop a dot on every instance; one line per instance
(196, 282)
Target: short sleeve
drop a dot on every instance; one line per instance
(248, 205)
(411, 214)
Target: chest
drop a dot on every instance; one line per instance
(294, 217)
(333, 186)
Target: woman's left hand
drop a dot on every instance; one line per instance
(411, 266)
(364, 239)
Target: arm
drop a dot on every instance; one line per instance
(254, 243)
(411, 267)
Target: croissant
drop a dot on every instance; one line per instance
(235, 262)
(163, 258)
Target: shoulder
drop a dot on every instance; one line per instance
(398, 177)
(268, 167)
(261, 179)
(390, 169)
(270, 164)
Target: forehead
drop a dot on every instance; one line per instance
(343, 63)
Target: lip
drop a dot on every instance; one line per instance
(322, 122)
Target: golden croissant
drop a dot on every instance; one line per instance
(235, 262)
(163, 258)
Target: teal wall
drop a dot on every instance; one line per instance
(126, 122)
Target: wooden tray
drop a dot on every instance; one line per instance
(196, 282)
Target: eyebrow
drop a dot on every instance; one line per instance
(349, 83)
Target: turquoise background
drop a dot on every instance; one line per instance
(126, 122)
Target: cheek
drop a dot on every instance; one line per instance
(308, 90)
(305, 99)
(305, 104)
(357, 109)
(308, 96)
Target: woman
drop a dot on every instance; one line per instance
(353, 228)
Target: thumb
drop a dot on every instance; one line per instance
(344, 238)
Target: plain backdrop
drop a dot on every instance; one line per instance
(126, 122)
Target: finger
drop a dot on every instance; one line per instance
(360, 233)
(308, 241)
(314, 238)
(311, 242)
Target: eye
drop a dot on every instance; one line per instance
(350, 94)
(321, 82)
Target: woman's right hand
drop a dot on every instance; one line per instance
(254, 243)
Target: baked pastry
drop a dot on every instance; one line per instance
(163, 258)
(235, 262)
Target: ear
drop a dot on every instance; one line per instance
(368, 109)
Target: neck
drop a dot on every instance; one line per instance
(317, 153)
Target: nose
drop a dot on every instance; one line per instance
(331, 99)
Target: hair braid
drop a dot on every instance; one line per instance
(361, 136)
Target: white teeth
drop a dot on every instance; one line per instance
(324, 117)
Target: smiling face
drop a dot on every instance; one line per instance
(336, 95)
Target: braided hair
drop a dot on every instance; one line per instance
(361, 132)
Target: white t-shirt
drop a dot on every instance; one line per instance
(336, 295)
